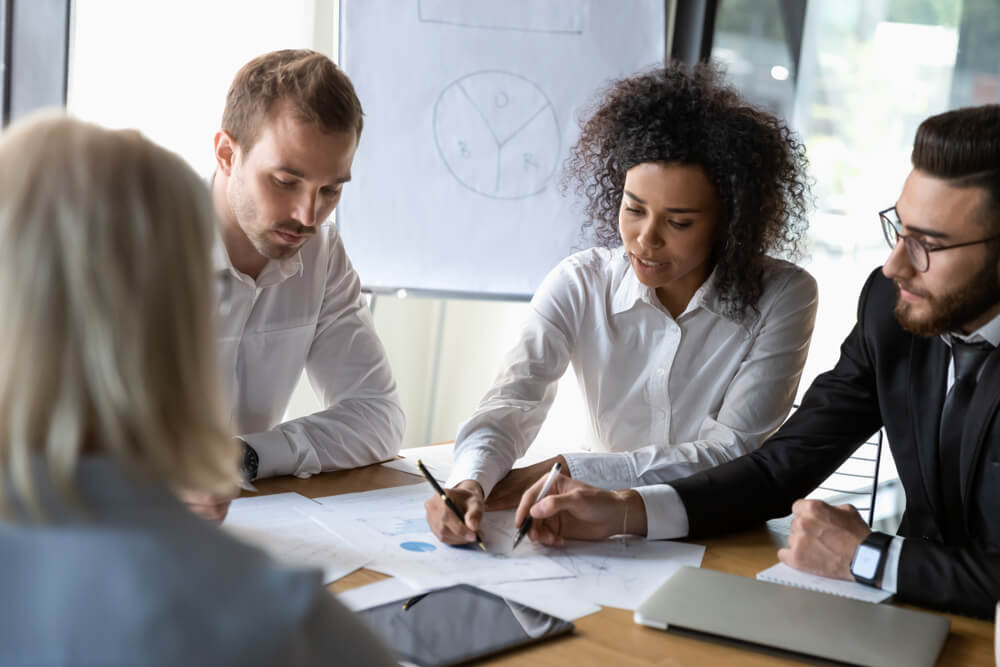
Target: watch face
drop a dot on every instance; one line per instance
(865, 563)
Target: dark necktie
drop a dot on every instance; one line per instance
(968, 359)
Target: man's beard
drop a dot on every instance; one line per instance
(958, 307)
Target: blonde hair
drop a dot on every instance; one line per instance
(106, 290)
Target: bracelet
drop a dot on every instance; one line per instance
(625, 525)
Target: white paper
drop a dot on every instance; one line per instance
(390, 525)
(561, 603)
(780, 573)
(614, 573)
(283, 526)
(380, 592)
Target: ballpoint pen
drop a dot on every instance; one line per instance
(447, 501)
(526, 524)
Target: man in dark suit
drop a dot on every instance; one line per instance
(921, 362)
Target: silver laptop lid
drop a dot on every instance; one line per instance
(794, 619)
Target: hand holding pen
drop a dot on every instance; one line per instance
(526, 524)
(449, 503)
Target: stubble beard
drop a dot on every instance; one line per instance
(952, 311)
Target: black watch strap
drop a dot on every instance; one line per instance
(251, 462)
(875, 541)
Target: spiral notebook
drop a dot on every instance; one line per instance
(779, 573)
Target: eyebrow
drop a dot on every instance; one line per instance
(923, 231)
(669, 209)
(300, 174)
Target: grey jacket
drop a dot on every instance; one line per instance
(142, 581)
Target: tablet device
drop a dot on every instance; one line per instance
(457, 624)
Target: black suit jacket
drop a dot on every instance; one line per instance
(885, 376)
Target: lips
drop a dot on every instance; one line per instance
(908, 294)
(289, 237)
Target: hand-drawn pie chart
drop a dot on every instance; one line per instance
(498, 134)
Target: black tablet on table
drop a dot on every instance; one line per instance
(458, 624)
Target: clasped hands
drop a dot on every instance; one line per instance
(823, 537)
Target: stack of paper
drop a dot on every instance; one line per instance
(284, 526)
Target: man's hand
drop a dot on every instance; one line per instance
(574, 510)
(468, 497)
(507, 494)
(824, 538)
(207, 505)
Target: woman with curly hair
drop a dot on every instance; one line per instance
(686, 336)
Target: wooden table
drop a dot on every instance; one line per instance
(610, 637)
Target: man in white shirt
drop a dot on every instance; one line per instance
(289, 298)
(922, 362)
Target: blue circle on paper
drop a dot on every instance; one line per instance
(418, 546)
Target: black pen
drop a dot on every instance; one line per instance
(526, 524)
(447, 501)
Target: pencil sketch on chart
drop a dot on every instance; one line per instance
(566, 17)
(498, 134)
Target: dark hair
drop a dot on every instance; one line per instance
(963, 147)
(319, 90)
(688, 115)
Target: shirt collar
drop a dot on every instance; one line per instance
(274, 271)
(630, 291)
(989, 332)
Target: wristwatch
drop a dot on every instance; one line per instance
(250, 462)
(869, 558)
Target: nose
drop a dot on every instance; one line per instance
(648, 236)
(897, 264)
(306, 209)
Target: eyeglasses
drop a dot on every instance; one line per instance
(918, 251)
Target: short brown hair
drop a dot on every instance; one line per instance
(962, 146)
(320, 91)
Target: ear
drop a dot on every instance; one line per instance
(225, 151)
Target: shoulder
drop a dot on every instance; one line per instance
(786, 288)
(581, 279)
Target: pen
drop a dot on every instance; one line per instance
(526, 524)
(447, 501)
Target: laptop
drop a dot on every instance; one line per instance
(792, 619)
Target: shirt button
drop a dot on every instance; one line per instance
(660, 372)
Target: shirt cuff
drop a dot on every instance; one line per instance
(606, 471)
(666, 516)
(890, 573)
(275, 456)
(475, 465)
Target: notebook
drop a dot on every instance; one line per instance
(780, 573)
(804, 622)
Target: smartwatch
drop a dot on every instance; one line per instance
(251, 462)
(869, 558)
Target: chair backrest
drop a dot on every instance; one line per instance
(856, 481)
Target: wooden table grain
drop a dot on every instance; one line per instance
(610, 637)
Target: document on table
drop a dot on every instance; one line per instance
(613, 573)
(391, 526)
(372, 595)
(283, 525)
(779, 573)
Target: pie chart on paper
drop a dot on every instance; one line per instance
(497, 134)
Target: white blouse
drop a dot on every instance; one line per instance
(666, 397)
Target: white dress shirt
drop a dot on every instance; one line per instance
(665, 396)
(305, 312)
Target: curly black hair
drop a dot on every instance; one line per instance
(688, 115)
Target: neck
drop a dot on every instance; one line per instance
(676, 296)
(980, 321)
(241, 251)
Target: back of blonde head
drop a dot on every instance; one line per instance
(106, 292)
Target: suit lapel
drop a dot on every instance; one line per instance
(984, 404)
(928, 376)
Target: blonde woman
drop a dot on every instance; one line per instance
(109, 399)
